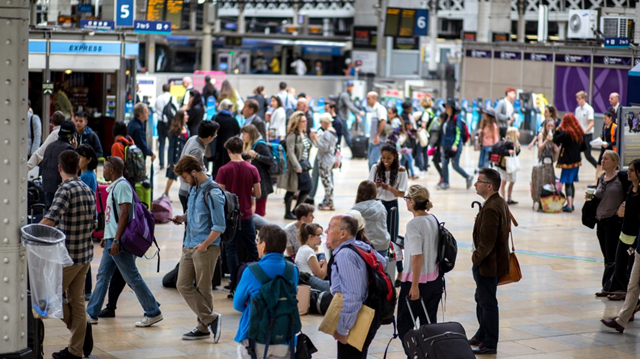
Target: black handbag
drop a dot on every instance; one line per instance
(589, 209)
(304, 181)
(305, 165)
(305, 347)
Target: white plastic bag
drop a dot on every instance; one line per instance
(423, 137)
(512, 164)
(46, 263)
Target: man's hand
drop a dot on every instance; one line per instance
(376, 140)
(102, 243)
(178, 219)
(115, 249)
(201, 247)
(341, 338)
(358, 119)
(511, 120)
(74, 142)
(153, 157)
(454, 148)
(361, 113)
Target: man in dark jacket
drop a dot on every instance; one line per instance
(345, 105)
(85, 135)
(250, 113)
(49, 166)
(229, 127)
(137, 129)
(490, 258)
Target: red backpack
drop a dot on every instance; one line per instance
(464, 129)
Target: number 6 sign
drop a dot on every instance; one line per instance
(125, 10)
(422, 23)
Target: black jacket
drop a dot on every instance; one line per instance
(570, 151)
(228, 128)
(88, 137)
(263, 104)
(138, 131)
(196, 114)
(49, 166)
(262, 162)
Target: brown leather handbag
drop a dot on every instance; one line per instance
(514, 274)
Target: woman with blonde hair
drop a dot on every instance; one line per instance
(512, 146)
(256, 147)
(298, 147)
(421, 279)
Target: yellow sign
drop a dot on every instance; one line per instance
(165, 10)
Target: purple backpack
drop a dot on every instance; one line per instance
(139, 234)
(161, 209)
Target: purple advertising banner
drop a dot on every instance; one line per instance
(507, 55)
(606, 81)
(573, 59)
(479, 54)
(569, 81)
(535, 56)
(613, 60)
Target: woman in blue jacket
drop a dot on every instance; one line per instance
(451, 145)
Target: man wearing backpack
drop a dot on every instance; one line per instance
(118, 214)
(490, 259)
(35, 132)
(242, 179)
(196, 147)
(201, 247)
(451, 144)
(166, 107)
(348, 275)
(259, 286)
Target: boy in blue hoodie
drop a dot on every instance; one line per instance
(85, 135)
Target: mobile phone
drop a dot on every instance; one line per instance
(174, 221)
(321, 256)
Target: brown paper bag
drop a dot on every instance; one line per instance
(304, 298)
(357, 334)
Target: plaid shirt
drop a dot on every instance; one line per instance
(74, 211)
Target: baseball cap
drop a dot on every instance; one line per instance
(67, 130)
(349, 83)
(81, 114)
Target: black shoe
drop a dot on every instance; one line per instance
(227, 287)
(87, 347)
(474, 341)
(481, 349)
(310, 201)
(510, 201)
(290, 215)
(64, 354)
(107, 313)
(195, 334)
(214, 327)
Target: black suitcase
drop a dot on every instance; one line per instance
(437, 341)
(359, 147)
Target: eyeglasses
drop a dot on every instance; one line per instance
(485, 182)
(406, 198)
(108, 159)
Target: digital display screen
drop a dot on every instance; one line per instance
(407, 21)
(165, 10)
(392, 21)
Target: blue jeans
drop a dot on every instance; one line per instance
(126, 263)
(319, 284)
(486, 309)
(422, 160)
(483, 161)
(407, 162)
(374, 154)
(456, 166)
(246, 234)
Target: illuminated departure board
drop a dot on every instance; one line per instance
(392, 21)
(407, 21)
(165, 10)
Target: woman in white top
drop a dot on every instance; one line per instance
(421, 278)
(278, 119)
(306, 259)
(392, 181)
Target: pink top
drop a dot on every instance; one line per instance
(490, 138)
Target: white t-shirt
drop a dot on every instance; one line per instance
(302, 259)
(292, 236)
(402, 182)
(509, 108)
(378, 113)
(584, 114)
(421, 237)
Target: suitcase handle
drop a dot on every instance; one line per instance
(415, 325)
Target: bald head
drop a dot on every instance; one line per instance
(301, 105)
(614, 99)
(114, 164)
(187, 81)
(372, 98)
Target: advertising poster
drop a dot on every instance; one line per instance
(569, 81)
(606, 81)
(630, 135)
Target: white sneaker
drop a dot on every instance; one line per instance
(91, 320)
(149, 321)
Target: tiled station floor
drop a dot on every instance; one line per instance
(551, 314)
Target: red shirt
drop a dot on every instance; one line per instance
(239, 178)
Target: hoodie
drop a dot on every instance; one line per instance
(375, 223)
(117, 149)
(88, 137)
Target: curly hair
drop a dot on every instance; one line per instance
(395, 165)
(571, 127)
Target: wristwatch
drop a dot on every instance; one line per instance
(116, 241)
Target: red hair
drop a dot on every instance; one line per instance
(571, 127)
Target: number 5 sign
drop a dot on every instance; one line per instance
(125, 10)
(422, 22)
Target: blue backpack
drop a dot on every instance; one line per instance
(274, 317)
(279, 156)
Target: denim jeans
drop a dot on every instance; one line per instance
(319, 284)
(486, 309)
(245, 235)
(456, 166)
(374, 154)
(422, 160)
(126, 263)
(407, 162)
(483, 161)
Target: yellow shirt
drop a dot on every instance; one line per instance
(275, 65)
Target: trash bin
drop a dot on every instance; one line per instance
(46, 257)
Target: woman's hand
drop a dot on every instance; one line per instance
(414, 292)
(252, 153)
(314, 136)
(299, 171)
(511, 152)
(621, 210)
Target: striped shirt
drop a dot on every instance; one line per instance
(349, 276)
(74, 211)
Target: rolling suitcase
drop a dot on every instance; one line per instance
(101, 204)
(437, 341)
(359, 147)
(541, 174)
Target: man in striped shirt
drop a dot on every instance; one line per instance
(349, 276)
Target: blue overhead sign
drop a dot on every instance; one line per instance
(616, 42)
(421, 27)
(85, 8)
(99, 25)
(85, 48)
(37, 46)
(125, 10)
(152, 27)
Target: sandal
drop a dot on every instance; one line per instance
(326, 207)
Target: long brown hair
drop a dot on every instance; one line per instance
(488, 120)
(253, 133)
(177, 124)
(395, 165)
(571, 127)
(366, 191)
(294, 121)
(307, 230)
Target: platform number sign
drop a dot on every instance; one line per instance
(125, 10)
(422, 23)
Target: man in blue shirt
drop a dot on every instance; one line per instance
(201, 248)
(272, 243)
(137, 129)
(349, 276)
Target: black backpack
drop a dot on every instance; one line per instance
(134, 164)
(231, 212)
(447, 249)
(169, 111)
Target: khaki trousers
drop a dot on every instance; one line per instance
(73, 309)
(198, 266)
(633, 290)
